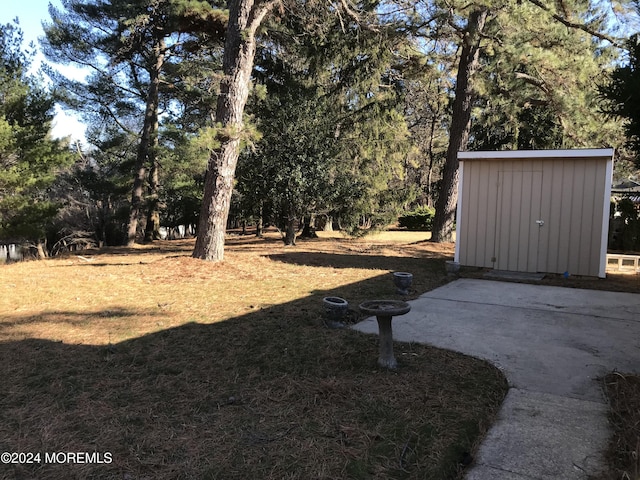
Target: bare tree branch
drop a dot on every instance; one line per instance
(260, 13)
(349, 11)
(579, 26)
(354, 15)
(536, 82)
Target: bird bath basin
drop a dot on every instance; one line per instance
(385, 310)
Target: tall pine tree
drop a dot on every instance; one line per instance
(127, 46)
(30, 159)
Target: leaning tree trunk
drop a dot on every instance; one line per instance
(245, 17)
(444, 219)
(147, 139)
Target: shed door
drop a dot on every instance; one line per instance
(517, 239)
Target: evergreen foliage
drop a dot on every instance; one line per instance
(419, 218)
(526, 98)
(141, 56)
(626, 227)
(30, 160)
(356, 110)
(333, 139)
(621, 95)
(523, 76)
(94, 194)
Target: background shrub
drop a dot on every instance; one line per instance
(418, 219)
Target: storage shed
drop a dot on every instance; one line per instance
(535, 210)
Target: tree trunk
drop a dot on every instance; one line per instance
(152, 228)
(290, 236)
(260, 222)
(147, 139)
(41, 249)
(432, 132)
(308, 229)
(239, 51)
(328, 226)
(136, 202)
(444, 219)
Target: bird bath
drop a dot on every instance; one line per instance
(385, 310)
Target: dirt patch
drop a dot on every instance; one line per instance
(614, 282)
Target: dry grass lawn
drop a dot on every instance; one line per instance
(184, 369)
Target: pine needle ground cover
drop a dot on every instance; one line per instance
(623, 454)
(174, 368)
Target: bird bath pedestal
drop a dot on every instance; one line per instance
(385, 310)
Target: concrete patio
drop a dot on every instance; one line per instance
(553, 344)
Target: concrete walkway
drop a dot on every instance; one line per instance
(552, 343)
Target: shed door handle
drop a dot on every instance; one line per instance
(540, 222)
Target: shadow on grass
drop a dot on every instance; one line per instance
(181, 246)
(359, 260)
(69, 317)
(270, 394)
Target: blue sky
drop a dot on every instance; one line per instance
(30, 14)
